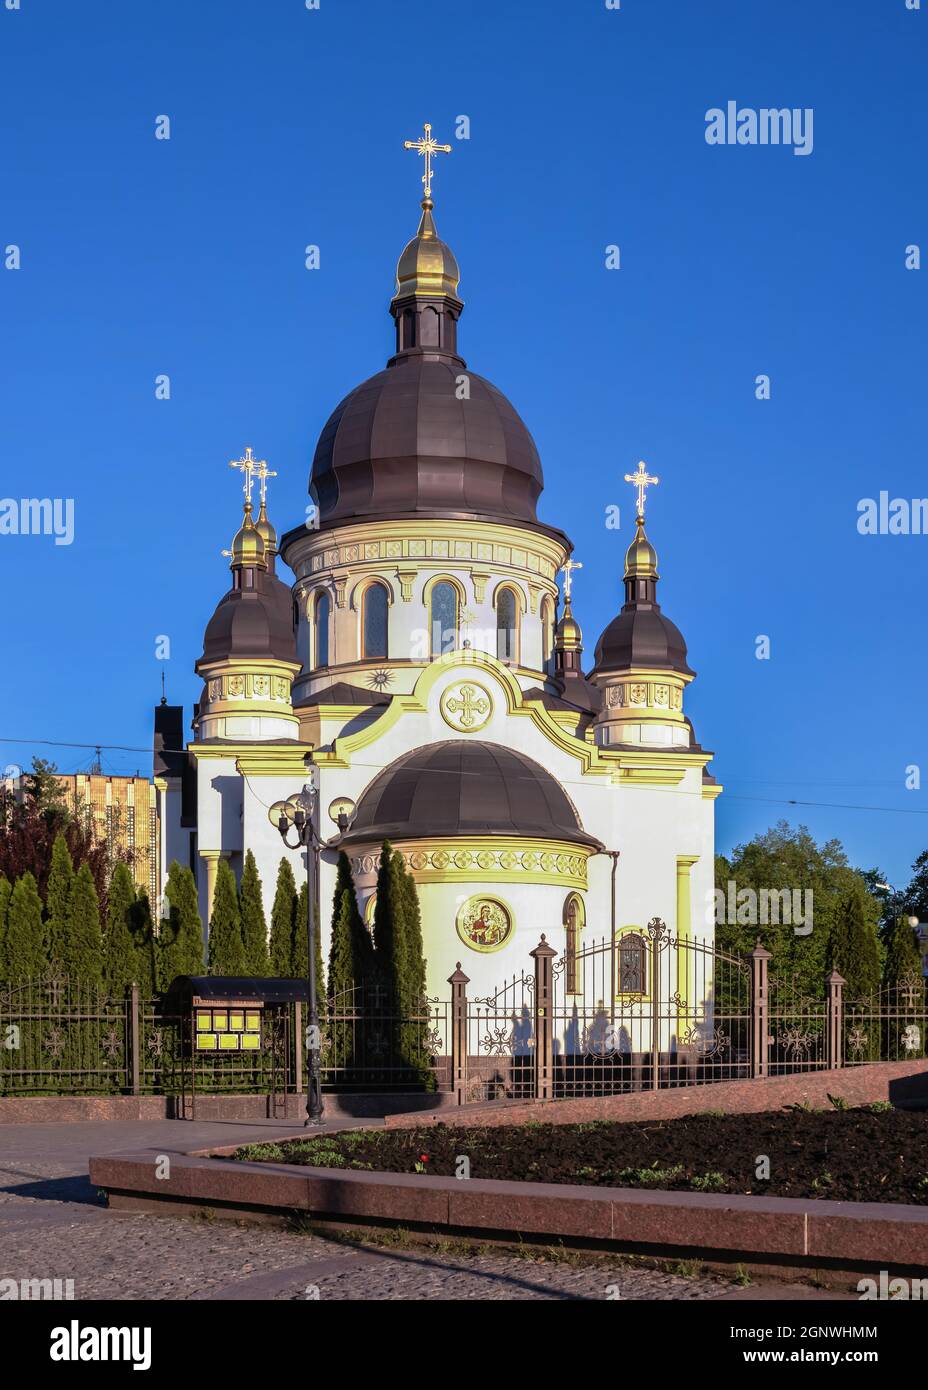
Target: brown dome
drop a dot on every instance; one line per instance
(252, 623)
(465, 787)
(404, 443)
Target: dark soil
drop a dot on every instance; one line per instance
(847, 1155)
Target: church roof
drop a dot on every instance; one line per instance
(464, 787)
(404, 443)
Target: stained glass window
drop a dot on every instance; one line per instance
(374, 621)
(506, 625)
(321, 630)
(443, 617)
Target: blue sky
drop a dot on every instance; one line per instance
(185, 257)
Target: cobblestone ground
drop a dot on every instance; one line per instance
(51, 1226)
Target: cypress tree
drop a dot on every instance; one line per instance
(119, 963)
(254, 927)
(83, 959)
(283, 917)
(145, 946)
(388, 928)
(24, 953)
(350, 951)
(57, 896)
(6, 889)
(299, 958)
(904, 1031)
(854, 947)
(903, 957)
(181, 940)
(226, 949)
(415, 959)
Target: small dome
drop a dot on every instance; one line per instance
(465, 787)
(567, 633)
(641, 557)
(265, 528)
(252, 624)
(427, 266)
(641, 636)
(248, 547)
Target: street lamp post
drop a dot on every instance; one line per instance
(298, 811)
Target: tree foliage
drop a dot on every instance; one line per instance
(24, 943)
(226, 948)
(283, 918)
(254, 927)
(83, 953)
(181, 939)
(787, 858)
(119, 962)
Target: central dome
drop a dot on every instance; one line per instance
(404, 443)
(465, 787)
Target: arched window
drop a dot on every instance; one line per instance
(507, 625)
(321, 613)
(374, 621)
(632, 964)
(547, 633)
(443, 617)
(573, 925)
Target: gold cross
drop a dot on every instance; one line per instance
(248, 465)
(427, 146)
(263, 472)
(469, 707)
(567, 570)
(642, 480)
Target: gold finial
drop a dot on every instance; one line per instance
(642, 480)
(427, 146)
(567, 570)
(248, 465)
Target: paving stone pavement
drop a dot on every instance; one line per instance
(52, 1226)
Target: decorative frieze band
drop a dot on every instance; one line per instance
(453, 862)
(638, 694)
(489, 552)
(249, 686)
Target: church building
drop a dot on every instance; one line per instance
(424, 650)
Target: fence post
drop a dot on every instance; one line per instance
(543, 956)
(134, 1031)
(760, 1022)
(834, 1027)
(459, 982)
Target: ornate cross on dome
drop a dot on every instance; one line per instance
(642, 480)
(567, 570)
(262, 472)
(427, 146)
(248, 465)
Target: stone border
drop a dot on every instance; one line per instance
(27, 1110)
(789, 1234)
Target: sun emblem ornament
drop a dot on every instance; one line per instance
(466, 706)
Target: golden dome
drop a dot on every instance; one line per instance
(641, 557)
(265, 529)
(248, 546)
(427, 268)
(567, 634)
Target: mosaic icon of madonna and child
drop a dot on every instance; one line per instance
(484, 924)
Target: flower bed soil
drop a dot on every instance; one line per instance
(845, 1155)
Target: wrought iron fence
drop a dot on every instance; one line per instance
(891, 1024)
(643, 1011)
(371, 1042)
